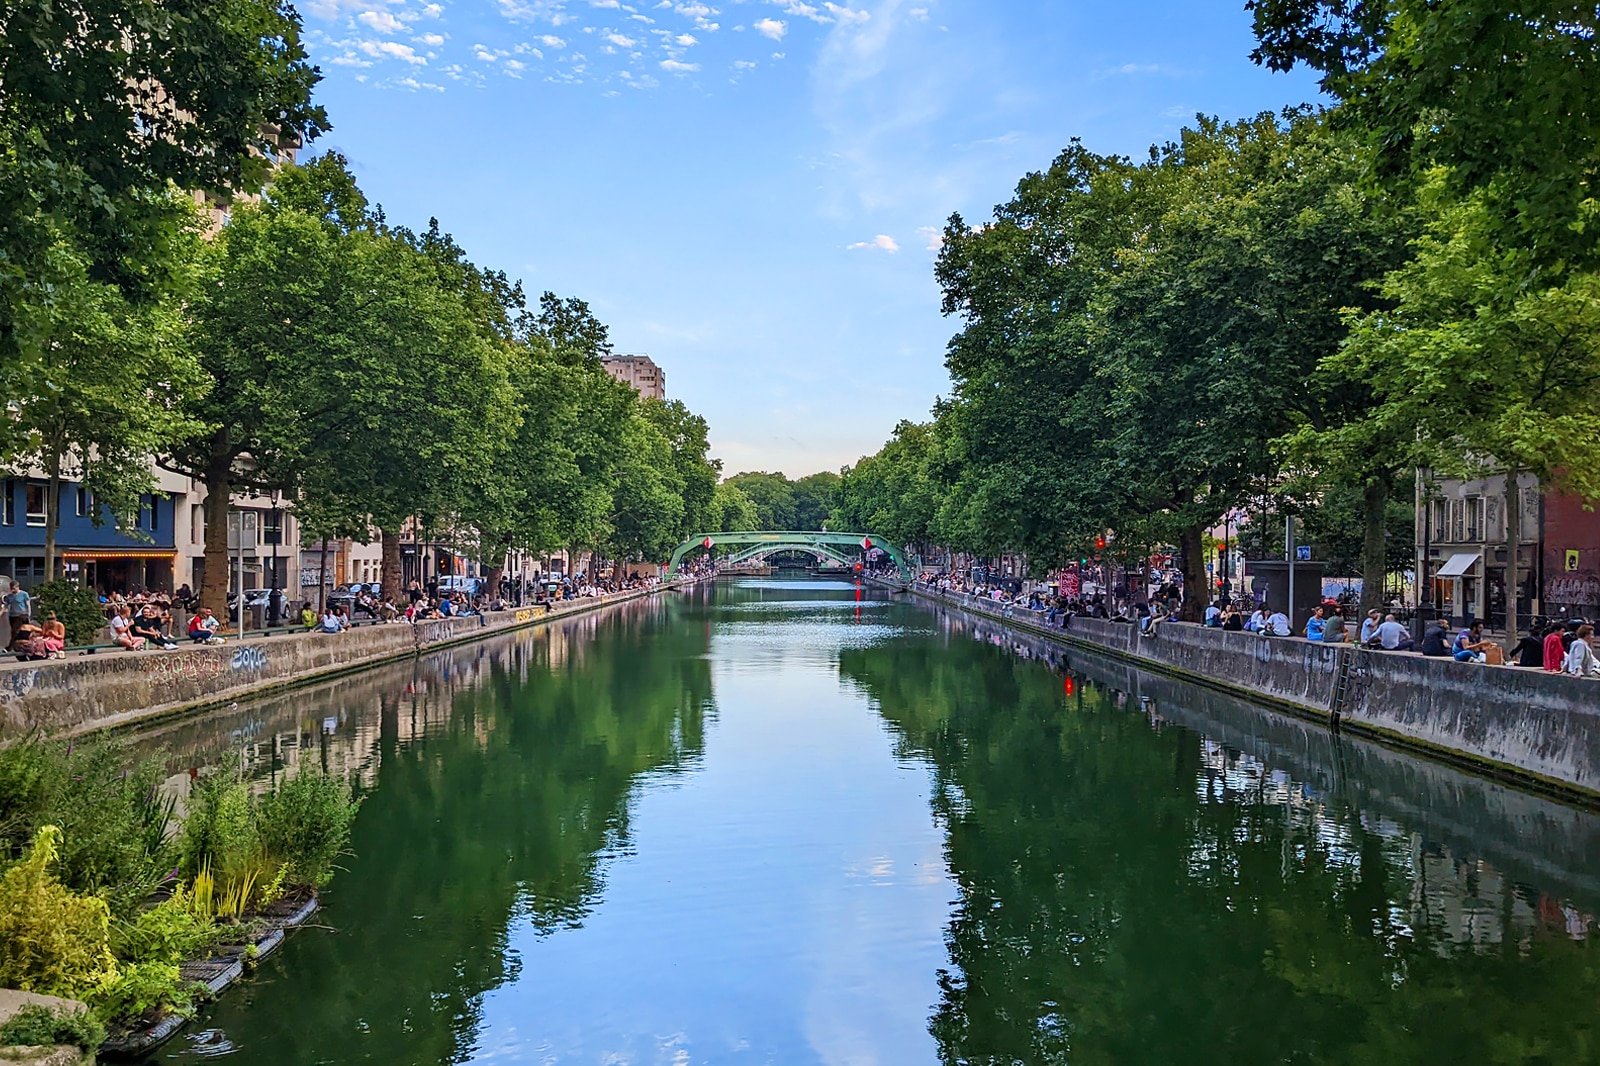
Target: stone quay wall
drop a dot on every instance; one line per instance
(1536, 728)
(111, 689)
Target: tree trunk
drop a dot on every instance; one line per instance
(322, 578)
(52, 512)
(1374, 554)
(1191, 543)
(214, 582)
(1513, 549)
(389, 571)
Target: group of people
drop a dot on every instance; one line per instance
(26, 638)
(1561, 648)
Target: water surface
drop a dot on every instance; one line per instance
(781, 821)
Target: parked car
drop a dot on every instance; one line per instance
(253, 598)
(456, 583)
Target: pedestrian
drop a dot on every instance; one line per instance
(19, 608)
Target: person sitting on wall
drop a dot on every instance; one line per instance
(1370, 624)
(308, 615)
(53, 635)
(1434, 641)
(1258, 620)
(1469, 644)
(1333, 630)
(203, 627)
(1555, 649)
(1390, 636)
(148, 625)
(1232, 620)
(332, 622)
(1529, 651)
(1277, 625)
(1581, 659)
(1214, 615)
(1315, 624)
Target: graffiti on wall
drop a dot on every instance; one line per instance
(190, 666)
(1580, 588)
(249, 658)
(14, 686)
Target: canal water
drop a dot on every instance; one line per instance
(792, 821)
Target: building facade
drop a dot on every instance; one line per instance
(639, 371)
(1462, 561)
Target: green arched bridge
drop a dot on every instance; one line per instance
(819, 544)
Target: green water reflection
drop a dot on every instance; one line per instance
(774, 822)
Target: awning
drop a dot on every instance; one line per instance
(105, 554)
(1458, 564)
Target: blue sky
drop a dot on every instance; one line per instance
(749, 190)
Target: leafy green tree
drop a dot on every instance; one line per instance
(732, 511)
(773, 495)
(897, 492)
(106, 391)
(688, 437)
(103, 104)
(1502, 95)
(814, 498)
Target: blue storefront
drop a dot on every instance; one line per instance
(106, 556)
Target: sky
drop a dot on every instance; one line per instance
(751, 191)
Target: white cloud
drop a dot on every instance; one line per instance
(620, 41)
(391, 50)
(847, 16)
(672, 66)
(350, 59)
(803, 10)
(881, 243)
(770, 28)
(604, 3)
(935, 237)
(686, 39)
(485, 54)
(413, 83)
(550, 40)
(431, 40)
(432, 11)
(381, 21)
(743, 64)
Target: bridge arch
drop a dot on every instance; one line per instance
(820, 544)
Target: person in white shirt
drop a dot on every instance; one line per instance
(1581, 660)
(1370, 624)
(1278, 624)
(1213, 615)
(1258, 621)
(1391, 635)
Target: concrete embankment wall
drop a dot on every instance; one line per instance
(1538, 728)
(111, 689)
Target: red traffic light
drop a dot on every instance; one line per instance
(1222, 545)
(1100, 542)
(1069, 685)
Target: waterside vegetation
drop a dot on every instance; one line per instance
(107, 885)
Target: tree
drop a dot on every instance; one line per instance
(773, 495)
(814, 497)
(1489, 365)
(688, 438)
(106, 392)
(103, 103)
(732, 511)
(1500, 94)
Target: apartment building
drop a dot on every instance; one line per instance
(639, 371)
(1461, 549)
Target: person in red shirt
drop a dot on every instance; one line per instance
(1555, 652)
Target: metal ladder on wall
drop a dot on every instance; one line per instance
(1341, 685)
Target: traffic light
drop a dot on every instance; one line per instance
(1222, 547)
(1070, 685)
(1100, 543)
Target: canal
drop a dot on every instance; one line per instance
(790, 821)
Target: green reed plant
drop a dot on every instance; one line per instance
(304, 824)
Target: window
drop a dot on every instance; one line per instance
(155, 513)
(8, 506)
(272, 528)
(84, 502)
(35, 503)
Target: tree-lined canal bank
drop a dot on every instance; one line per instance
(801, 822)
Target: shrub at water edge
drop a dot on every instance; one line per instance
(305, 823)
(37, 1025)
